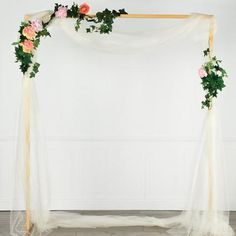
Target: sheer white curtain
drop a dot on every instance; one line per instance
(206, 212)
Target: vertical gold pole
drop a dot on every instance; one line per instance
(210, 135)
(211, 34)
(26, 114)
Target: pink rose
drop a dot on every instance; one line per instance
(202, 73)
(29, 32)
(27, 46)
(37, 25)
(61, 12)
(84, 8)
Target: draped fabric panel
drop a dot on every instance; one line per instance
(206, 212)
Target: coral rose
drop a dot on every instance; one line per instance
(29, 32)
(61, 12)
(84, 8)
(27, 46)
(202, 73)
(37, 25)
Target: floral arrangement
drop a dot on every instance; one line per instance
(31, 31)
(212, 76)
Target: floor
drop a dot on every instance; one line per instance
(116, 231)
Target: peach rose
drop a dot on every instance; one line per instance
(27, 46)
(84, 8)
(29, 32)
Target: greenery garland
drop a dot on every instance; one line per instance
(31, 31)
(212, 75)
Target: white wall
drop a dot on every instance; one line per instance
(109, 166)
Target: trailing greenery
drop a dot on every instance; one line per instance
(26, 58)
(212, 75)
(103, 21)
(31, 32)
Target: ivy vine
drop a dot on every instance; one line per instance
(213, 76)
(31, 31)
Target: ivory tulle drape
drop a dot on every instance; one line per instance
(207, 210)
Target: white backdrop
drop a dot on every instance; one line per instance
(124, 177)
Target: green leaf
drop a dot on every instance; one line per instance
(36, 42)
(36, 67)
(99, 16)
(213, 83)
(32, 75)
(77, 24)
(43, 33)
(123, 12)
(206, 52)
(73, 12)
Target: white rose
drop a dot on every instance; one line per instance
(219, 73)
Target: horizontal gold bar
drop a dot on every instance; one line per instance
(157, 16)
(146, 16)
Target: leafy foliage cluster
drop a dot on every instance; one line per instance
(214, 81)
(101, 22)
(26, 59)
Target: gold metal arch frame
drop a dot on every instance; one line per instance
(27, 95)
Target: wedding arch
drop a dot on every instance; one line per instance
(206, 214)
